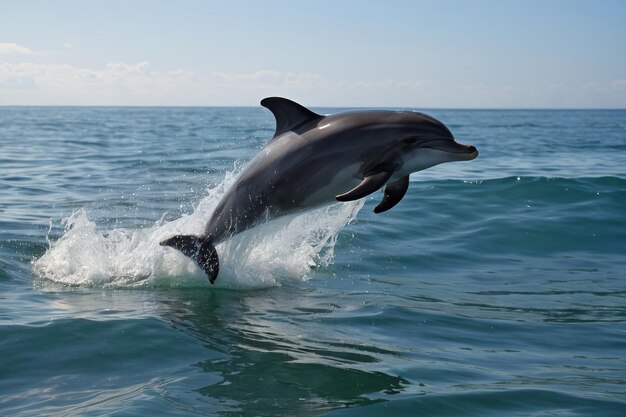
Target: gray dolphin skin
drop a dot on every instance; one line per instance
(314, 160)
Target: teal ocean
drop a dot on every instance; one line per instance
(495, 288)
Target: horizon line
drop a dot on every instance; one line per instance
(308, 106)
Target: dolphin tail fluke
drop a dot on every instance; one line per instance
(200, 249)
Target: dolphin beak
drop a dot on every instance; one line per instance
(470, 151)
(461, 152)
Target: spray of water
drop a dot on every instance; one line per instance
(268, 255)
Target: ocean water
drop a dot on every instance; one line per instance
(495, 288)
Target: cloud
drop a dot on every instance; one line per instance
(67, 80)
(7, 48)
(618, 85)
(119, 83)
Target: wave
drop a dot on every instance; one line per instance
(534, 180)
(525, 214)
(490, 402)
(549, 190)
(268, 255)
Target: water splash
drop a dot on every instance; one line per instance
(268, 255)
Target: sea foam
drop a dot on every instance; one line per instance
(270, 254)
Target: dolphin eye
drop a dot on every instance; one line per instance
(410, 140)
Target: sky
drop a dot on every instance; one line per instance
(396, 53)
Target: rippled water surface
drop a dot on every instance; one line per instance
(495, 288)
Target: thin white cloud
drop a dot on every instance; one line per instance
(618, 85)
(118, 83)
(14, 49)
(121, 83)
(10, 48)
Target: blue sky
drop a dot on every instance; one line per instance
(469, 54)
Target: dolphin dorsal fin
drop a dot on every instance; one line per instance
(288, 113)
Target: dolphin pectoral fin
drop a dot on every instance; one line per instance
(393, 194)
(200, 249)
(371, 183)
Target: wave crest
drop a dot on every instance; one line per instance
(282, 250)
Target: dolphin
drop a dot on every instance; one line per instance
(314, 160)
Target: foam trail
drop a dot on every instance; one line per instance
(267, 255)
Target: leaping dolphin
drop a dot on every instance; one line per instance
(314, 160)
